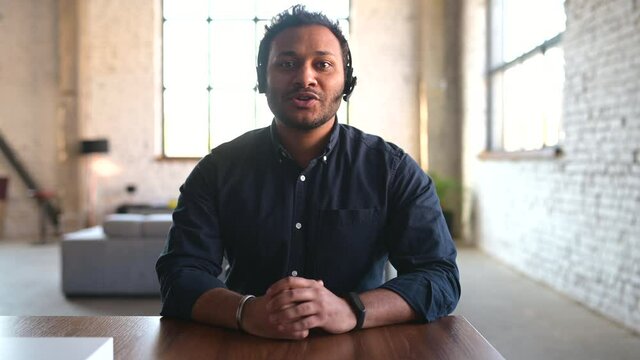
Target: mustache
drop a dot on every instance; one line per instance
(304, 92)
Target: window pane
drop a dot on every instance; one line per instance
(232, 114)
(342, 113)
(332, 8)
(532, 102)
(233, 55)
(527, 24)
(260, 32)
(553, 95)
(236, 9)
(185, 54)
(185, 120)
(264, 116)
(179, 9)
(344, 26)
(497, 111)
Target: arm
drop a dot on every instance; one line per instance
(297, 304)
(191, 262)
(420, 246)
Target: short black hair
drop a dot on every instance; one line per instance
(297, 16)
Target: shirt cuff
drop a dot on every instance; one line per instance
(185, 288)
(428, 300)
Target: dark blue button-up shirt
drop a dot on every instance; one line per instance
(362, 202)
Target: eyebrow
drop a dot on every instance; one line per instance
(293, 53)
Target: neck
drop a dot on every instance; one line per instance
(304, 145)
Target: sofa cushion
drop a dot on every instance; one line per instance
(123, 226)
(156, 225)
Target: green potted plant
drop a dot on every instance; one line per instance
(447, 188)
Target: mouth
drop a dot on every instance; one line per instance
(304, 99)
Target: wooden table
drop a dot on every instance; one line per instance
(150, 337)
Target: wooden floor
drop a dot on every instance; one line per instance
(521, 318)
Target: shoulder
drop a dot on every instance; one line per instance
(246, 148)
(374, 149)
(369, 141)
(243, 143)
(247, 144)
(357, 140)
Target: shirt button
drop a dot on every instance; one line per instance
(298, 226)
(294, 273)
(302, 178)
(324, 158)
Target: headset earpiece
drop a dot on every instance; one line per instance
(349, 84)
(350, 81)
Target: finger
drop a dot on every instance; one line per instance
(304, 324)
(286, 298)
(293, 335)
(290, 282)
(295, 313)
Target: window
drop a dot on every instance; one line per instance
(526, 75)
(209, 79)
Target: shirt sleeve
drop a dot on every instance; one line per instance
(192, 258)
(420, 245)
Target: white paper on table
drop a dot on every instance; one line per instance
(56, 348)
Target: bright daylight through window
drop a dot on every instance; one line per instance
(209, 77)
(526, 74)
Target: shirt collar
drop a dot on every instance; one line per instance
(282, 153)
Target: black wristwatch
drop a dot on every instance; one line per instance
(358, 309)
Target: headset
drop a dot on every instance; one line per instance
(350, 81)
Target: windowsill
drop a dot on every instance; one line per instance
(547, 153)
(174, 158)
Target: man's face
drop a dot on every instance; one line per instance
(305, 76)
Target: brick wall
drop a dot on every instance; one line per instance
(572, 222)
(28, 105)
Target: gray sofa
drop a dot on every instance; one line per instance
(117, 258)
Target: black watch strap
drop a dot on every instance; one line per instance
(358, 308)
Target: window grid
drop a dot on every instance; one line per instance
(259, 113)
(524, 82)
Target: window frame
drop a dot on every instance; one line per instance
(494, 149)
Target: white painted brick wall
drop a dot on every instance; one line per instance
(384, 36)
(28, 96)
(573, 222)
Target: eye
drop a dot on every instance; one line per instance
(323, 65)
(288, 64)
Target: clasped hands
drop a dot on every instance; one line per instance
(294, 305)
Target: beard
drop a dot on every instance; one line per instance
(326, 112)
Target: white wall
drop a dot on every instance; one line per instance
(28, 104)
(571, 222)
(384, 38)
(120, 98)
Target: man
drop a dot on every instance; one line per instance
(307, 211)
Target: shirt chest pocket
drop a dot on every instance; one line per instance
(349, 229)
(349, 217)
(348, 244)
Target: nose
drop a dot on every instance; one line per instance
(306, 76)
